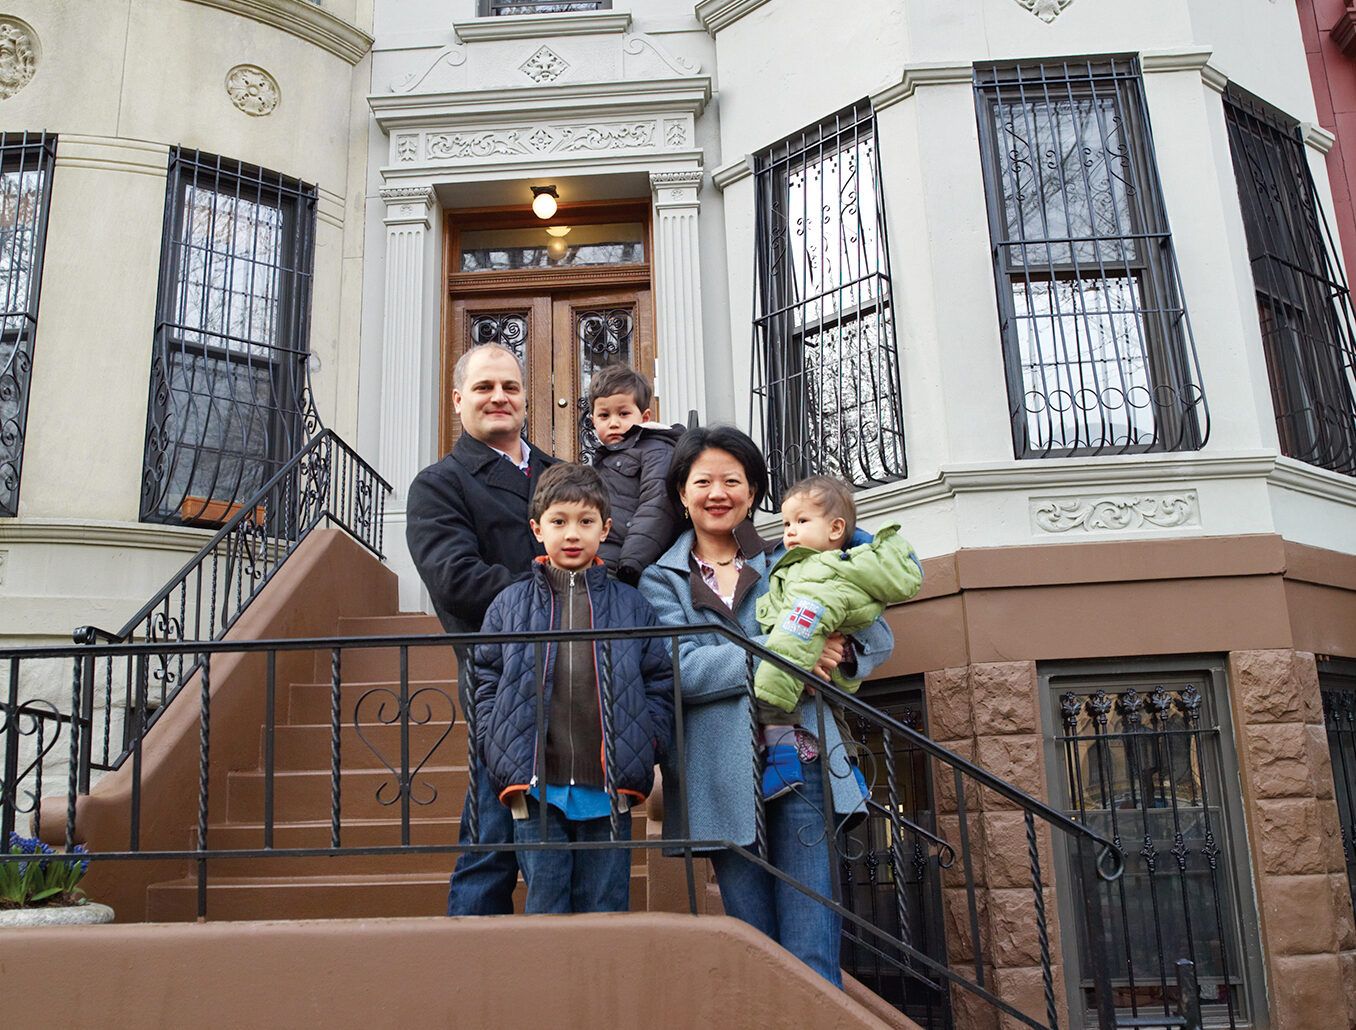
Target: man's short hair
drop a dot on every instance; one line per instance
(834, 498)
(464, 362)
(570, 484)
(615, 379)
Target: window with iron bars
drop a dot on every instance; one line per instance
(25, 197)
(496, 8)
(826, 369)
(1096, 341)
(1337, 683)
(1141, 759)
(229, 402)
(1303, 302)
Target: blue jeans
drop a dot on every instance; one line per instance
(574, 881)
(801, 925)
(482, 882)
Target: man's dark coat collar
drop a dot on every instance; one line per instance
(494, 469)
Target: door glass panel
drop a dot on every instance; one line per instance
(486, 250)
(508, 329)
(604, 337)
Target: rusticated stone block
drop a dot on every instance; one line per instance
(971, 1012)
(1014, 938)
(1346, 963)
(1264, 683)
(1007, 854)
(1024, 990)
(1016, 759)
(1290, 837)
(948, 828)
(1340, 890)
(1305, 671)
(1278, 760)
(1332, 836)
(1320, 761)
(1005, 698)
(944, 778)
(960, 938)
(1298, 915)
(950, 712)
(1307, 993)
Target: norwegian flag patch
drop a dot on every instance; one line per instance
(803, 617)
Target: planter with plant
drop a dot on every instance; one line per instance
(42, 888)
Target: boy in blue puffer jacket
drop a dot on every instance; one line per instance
(586, 771)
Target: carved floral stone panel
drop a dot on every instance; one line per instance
(1115, 513)
(1046, 10)
(18, 56)
(531, 140)
(544, 66)
(253, 90)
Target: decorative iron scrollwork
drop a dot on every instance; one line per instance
(391, 711)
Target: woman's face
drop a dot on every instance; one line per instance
(716, 495)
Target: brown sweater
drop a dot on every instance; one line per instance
(574, 731)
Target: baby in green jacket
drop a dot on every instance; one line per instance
(832, 579)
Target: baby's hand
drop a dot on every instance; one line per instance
(834, 649)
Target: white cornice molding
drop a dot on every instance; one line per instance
(687, 178)
(718, 14)
(728, 174)
(531, 26)
(617, 98)
(100, 533)
(1295, 475)
(108, 153)
(938, 73)
(1176, 59)
(304, 20)
(1318, 137)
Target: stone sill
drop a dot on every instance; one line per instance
(302, 19)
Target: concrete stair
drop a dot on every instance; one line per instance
(348, 886)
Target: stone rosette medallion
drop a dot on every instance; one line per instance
(18, 55)
(253, 90)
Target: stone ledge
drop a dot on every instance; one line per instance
(305, 21)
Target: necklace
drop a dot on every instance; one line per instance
(722, 564)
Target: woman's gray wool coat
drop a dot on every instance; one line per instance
(717, 739)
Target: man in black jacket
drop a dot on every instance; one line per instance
(467, 529)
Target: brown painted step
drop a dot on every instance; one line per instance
(309, 703)
(428, 662)
(308, 747)
(319, 897)
(305, 795)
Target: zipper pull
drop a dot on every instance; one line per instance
(532, 782)
(571, 781)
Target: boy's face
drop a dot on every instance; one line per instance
(571, 532)
(613, 416)
(806, 524)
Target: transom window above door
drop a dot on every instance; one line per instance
(496, 8)
(552, 246)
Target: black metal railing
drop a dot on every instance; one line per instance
(1097, 344)
(386, 744)
(826, 386)
(26, 162)
(326, 482)
(1142, 767)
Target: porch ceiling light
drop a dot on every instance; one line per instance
(557, 230)
(544, 201)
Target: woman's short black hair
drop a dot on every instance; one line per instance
(719, 438)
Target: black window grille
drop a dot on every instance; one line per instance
(1141, 762)
(1303, 302)
(495, 8)
(25, 196)
(1097, 345)
(826, 369)
(229, 397)
(1337, 682)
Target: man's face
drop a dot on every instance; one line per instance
(491, 403)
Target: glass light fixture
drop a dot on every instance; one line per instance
(544, 201)
(557, 230)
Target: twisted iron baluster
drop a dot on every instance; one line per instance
(609, 738)
(73, 765)
(335, 748)
(756, 736)
(896, 842)
(1042, 930)
(204, 758)
(472, 749)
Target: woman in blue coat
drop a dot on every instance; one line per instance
(715, 573)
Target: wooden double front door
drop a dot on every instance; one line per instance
(562, 340)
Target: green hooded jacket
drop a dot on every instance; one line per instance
(812, 594)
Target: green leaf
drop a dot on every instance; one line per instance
(45, 894)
